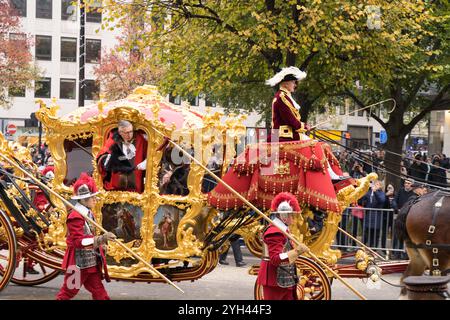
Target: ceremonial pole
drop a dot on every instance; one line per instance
(67, 203)
(288, 235)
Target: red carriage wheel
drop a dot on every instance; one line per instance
(313, 282)
(31, 273)
(7, 250)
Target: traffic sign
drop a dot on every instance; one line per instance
(383, 136)
(11, 129)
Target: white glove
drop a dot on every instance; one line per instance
(142, 165)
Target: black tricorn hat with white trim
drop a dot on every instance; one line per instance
(286, 74)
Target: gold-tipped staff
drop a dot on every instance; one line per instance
(366, 107)
(67, 203)
(360, 243)
(260, 213)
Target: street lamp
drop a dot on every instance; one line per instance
(82, 56)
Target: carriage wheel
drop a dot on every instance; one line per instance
(31, 273)
(313, 282)
(7, 250)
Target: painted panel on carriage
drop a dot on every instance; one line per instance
(79, 159)
(124, 220)
(166, 223)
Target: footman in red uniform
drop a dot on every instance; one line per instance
(84, 258)
(278, 273)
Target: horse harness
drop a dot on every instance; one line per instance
(435, 247)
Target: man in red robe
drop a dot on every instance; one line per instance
(122, 160)
(278, 273)
(84, 258)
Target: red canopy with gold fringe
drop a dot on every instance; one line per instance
(266, 169)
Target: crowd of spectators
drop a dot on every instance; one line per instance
(369, 217)
(419, 167)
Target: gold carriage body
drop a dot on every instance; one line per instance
(89, 127)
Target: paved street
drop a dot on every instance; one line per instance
(223, 283)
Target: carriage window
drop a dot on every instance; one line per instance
(215, 165)
(78, 159)
(173, 173)
(166, 223)
(121, 164)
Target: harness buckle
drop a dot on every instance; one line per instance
(435, 250)
(431, 229)
(438, 204)
(436, 273)
(428, 242)
(435, 262)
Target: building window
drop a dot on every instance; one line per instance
(20, 6)
(91, 90)
(360, 113)
(43, 88)
(67, 88)
(17, 37)
(209, 102)
(342, 109)
(68, 11)
(43, 47)
(44, 9)
(16, 91)
(193, 101)
(175, 99)
(93, 50)
(69, 49)
(94, 14)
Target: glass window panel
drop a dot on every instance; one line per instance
(20, 7)
(93, 50)
(44, 9)
(69, 49)
(43, 88)
(16, 92)
(68, 11)
(91, 90)
(43, 47)
(94, 15)
(78, 158)
(67, 89)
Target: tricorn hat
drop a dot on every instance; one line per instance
(84, 187)
(286, 74)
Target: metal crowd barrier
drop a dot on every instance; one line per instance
(375, 229)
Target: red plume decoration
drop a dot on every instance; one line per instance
(47, 169)
(285, 196)
(87, 180)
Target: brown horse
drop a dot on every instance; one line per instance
(426, 232)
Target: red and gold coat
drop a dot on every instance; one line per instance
(285, 117)
(275, 241)
(75, 236)
(111, 179)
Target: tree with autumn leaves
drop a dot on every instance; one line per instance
(392, 49)
(16, 68)
(129, 64)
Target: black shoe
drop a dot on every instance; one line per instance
(223, 262)
(240, 264)
(31, 270)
